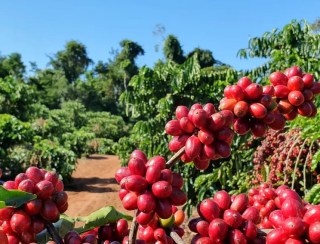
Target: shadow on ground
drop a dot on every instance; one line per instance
(93, 184)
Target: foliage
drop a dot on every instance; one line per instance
(77, 141)
(106, 125)
(15, 98)
(13, 131)
(100, 146)
(12, 65)
(295, 44)
(313, 195)
(50, 86)
(14, 198)
(52, 156)
(172, 50)
(97, 93)
(205, 57)
(73, 60)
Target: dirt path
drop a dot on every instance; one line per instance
(94, 186)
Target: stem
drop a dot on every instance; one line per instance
(177, 239)
(133, 230)
(175, 157)
(293, 175)
(53, 233)
(305, 170)
(297, 138)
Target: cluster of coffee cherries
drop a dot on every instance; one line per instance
(295, 92)
(293, 220)
(243, 218)
(257, 107)
(224, 219)
(204, 133)
(22, 224)
(253, 107)
(150, 188)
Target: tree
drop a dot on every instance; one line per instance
(172, 50)
(205, 57)
(124, 66)
(51, 87)
(96, 93)
(12, 65)
(73, 60)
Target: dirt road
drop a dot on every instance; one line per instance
(94, 186)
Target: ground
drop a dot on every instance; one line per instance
(94, 186)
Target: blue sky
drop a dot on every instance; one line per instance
(37, 28)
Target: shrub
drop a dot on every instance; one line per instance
(77, 141)
(51, 155)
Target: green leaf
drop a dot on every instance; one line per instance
(14, 198)
(315, 160)
(313, 195)
(100, 217)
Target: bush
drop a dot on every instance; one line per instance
(106, 125)
(51, 155)
(15, 98)
(13, 131)
(15, 137)
(17, 160)
(77, 141)
(100, 146)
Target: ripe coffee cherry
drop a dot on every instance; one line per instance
(20, 222)
(50, 211)
(34, 174)
(33, 207)
(161, 189)
(44, 189)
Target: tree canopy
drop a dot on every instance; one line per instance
(73, 60)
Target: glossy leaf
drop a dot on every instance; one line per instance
(14, 198)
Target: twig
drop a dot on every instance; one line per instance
(305, 169)
(53, 233)
(177, 239)
(175, 157)
(133, 230)
(296, 164)
(297, 138)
